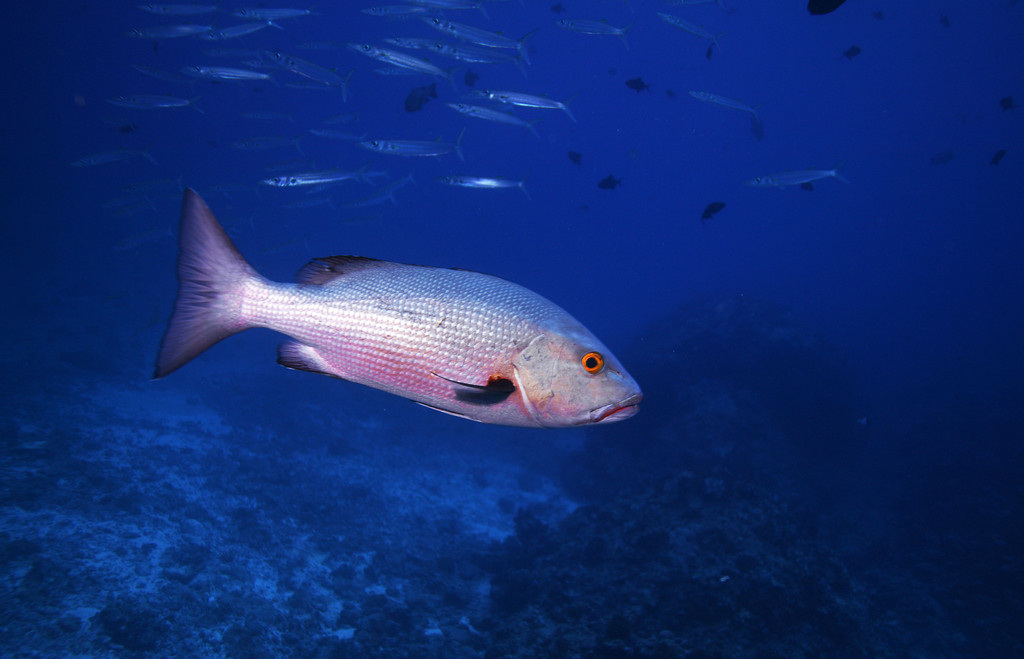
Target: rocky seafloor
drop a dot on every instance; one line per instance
(243, 515)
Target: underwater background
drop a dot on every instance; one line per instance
(829, 458)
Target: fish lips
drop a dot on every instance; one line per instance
(616, 411)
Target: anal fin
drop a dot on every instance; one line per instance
(299, 356)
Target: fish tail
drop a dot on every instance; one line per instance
(521, 48)
(211, 276)
(458, 145)
(622, 35)
(192, 104)
(522, 186)
(835, 173)
(565, 106)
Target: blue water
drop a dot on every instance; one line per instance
(828, 458)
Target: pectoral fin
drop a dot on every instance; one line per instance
(496, 390)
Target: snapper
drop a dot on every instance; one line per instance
(460, 342)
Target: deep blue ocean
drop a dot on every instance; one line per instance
(829, 457)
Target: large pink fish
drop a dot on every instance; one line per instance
(460, 342)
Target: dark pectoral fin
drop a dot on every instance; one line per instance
(495, 391)
(292, 354)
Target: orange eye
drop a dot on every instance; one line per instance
(592, 362)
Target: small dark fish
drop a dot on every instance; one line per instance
(669, 93)
(470, 78)
(127, 128)
(807, 185)
(819, 7)
(577, 157)
(637, 84)
(851, 52)
(879, 15)
(1007, 103)
(608, 183)
(999, 156)
(710, 210)
(944, 20)
(942, 158)
(558, 9)
(418, 97)
(711, 47)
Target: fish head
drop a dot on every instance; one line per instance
(569, 378)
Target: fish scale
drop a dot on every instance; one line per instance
(461, 342)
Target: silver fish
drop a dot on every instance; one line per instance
(583, 26)
(415, 147)
(149, 102)
(529, 101)
(484, 183)
(319, 178)
(480, 36)
(225, 73)
(695, 30)
(399, 59)
(798, 177)
(105, 157)
(270, 14)
(168, 31)
(725, 102)
(498, 116)
(469, 344)
(235, 31)
(178, 10)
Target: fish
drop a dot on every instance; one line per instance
(105, 157)
(465, 343)
(575, 157)
(808, 186)
(558, 8)
(224, 73)
(415, 147)
(395, 11)
(942, 157)
(149, 102)
(270, 14)
(480, 36)
(798, 177)
(307, 69)
(637, 84)
(498, 116)
(851, 52)
(944, 20)
(723, 101)
(484, 183)
(695, 30)
(168, 31)
(710, 210)
(583, 26)
(320, 178)
(529, 101)
(419, 97)
(1007, 103)
(609, 183)
(178, 10)
(998, 156)
(821, 7)
(235, 31)
(399, 59)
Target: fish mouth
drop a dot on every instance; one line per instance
(617, 411)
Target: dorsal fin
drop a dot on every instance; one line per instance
(328, 268)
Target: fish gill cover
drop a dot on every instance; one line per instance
(828, 459)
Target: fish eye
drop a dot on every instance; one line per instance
(593, 362)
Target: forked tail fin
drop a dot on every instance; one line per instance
(211, 273)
